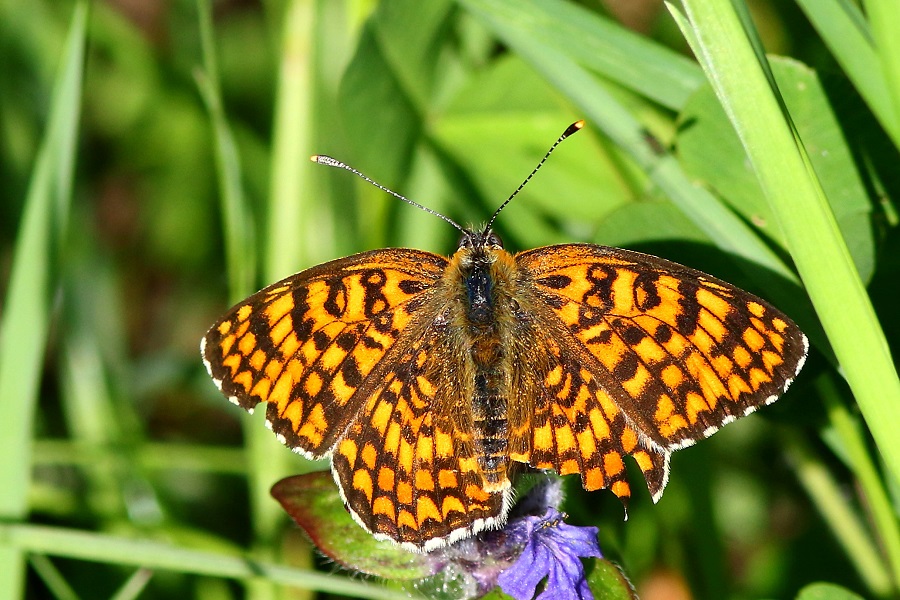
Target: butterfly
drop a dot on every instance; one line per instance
(431, 382)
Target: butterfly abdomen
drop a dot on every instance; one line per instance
(484, 286)
(489, 418)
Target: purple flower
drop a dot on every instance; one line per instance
(553, 549)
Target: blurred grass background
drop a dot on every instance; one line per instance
(153, 167)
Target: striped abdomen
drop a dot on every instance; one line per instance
(489, 410)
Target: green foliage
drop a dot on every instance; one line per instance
(609, 583)
(314, 503)
(826, 591)
(153, 158)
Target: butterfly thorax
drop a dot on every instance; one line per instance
(483, 275)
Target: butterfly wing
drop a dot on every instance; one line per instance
(565, 420)
(407, 467)
(306, 344)
(677, 353)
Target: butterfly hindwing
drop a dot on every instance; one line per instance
(305, 344)
(407, 467)
(681, 353)
(566, 421)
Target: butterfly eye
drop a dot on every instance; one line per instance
(478, 239)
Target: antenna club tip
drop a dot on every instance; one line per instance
(326, 160)
(574, 127)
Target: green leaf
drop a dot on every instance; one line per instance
(826, 591)
(710, 150)
(619, 123)
(498, 130)
(608, 582)
(496, 594)
(410, 35)
(379, 116)
(312, 500)
(648, 222)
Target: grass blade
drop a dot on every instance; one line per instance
(295, 223)
(115, 550)
(238, 233)
(26, 317)
(52, 578)
(290, 202)
(237, 224)
(600, 45)
(883, 15)
(845, 524)
(803, 212)
(134, 586)
(846, 33)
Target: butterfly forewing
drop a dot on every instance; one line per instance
(680, 352)
(307, 343)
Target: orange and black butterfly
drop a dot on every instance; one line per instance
(427, 380)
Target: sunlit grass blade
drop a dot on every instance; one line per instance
(241, 253)
(599, 44)
(134, 586)
(237, 222)
(295, 224)
(81, 545)
(153, 456)
(803, 212)
(883, 17)
(844, 30)
(845, 524)
(26, 314)
(52, 578)
(291, 203)
(846, 427)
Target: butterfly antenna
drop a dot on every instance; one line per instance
(569, 131)
(332, 162)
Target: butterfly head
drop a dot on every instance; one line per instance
(478, 250)
(479, 240)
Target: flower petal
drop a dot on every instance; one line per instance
(521, 579)
(553, 550)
